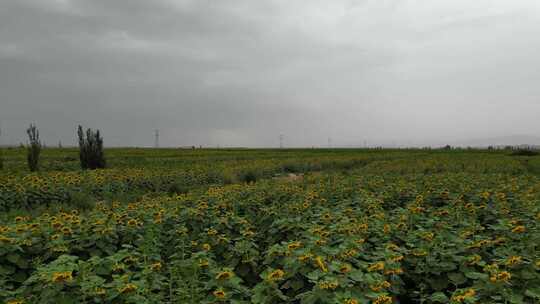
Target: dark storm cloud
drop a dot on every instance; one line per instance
(242, 72)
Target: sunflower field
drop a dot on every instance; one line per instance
(352, 226)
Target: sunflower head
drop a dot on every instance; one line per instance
(224, 275)
(220, 294)
(276, 275)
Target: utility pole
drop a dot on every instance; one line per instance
(1, 152)
(156, 139)
(329, 142)
(281, 141)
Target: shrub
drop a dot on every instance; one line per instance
(91, 149)
(248, 176)
(293, 167)
(177, 188)
(81, 200)
(34, 148)
(228, 177)
(525, 152)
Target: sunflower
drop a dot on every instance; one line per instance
(5, 240)
(380, 286)
(276, 275)
(320, 242)
(383, 299)
(519, 229)
(460, 298)
(305, 257)
(99, 291)
(428, 236)
(61, 277)
(328, 285)
(392, 247)
(514, 260)
(473, 260)
(503, 276)
(294, 245)
(128, 288)
(398, 258)
(224, 275)
(203, 263)
(346, 268)
(220, 294)
(376, 266)
(66, 231)
(395, 271)
(320, 262)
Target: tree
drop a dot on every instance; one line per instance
(34, 148)
(91, 149)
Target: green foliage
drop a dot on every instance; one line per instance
(247, 176)
(525, 152)
(33, 149)
(81, 200)
(414, 227)
(90, 149)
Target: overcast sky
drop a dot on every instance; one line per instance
(239, 73)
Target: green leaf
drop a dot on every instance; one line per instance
(516, 298)
(357, 275)
(13, 258)
(438, 283)
(527, 274)
(297, 284)
(439, 297)
(103, 270)
(533, 292)
(7, 269)
(457, 278)
(310, 298)
(19, 276)
(447, 266)
(314, 275)
(476, 275)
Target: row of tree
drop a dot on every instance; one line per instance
(90, 149)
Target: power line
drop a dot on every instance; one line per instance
(156, 139)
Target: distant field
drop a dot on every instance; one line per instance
(271, 226)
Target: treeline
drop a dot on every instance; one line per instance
(91, 153)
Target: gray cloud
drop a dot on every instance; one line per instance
(241, 72)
